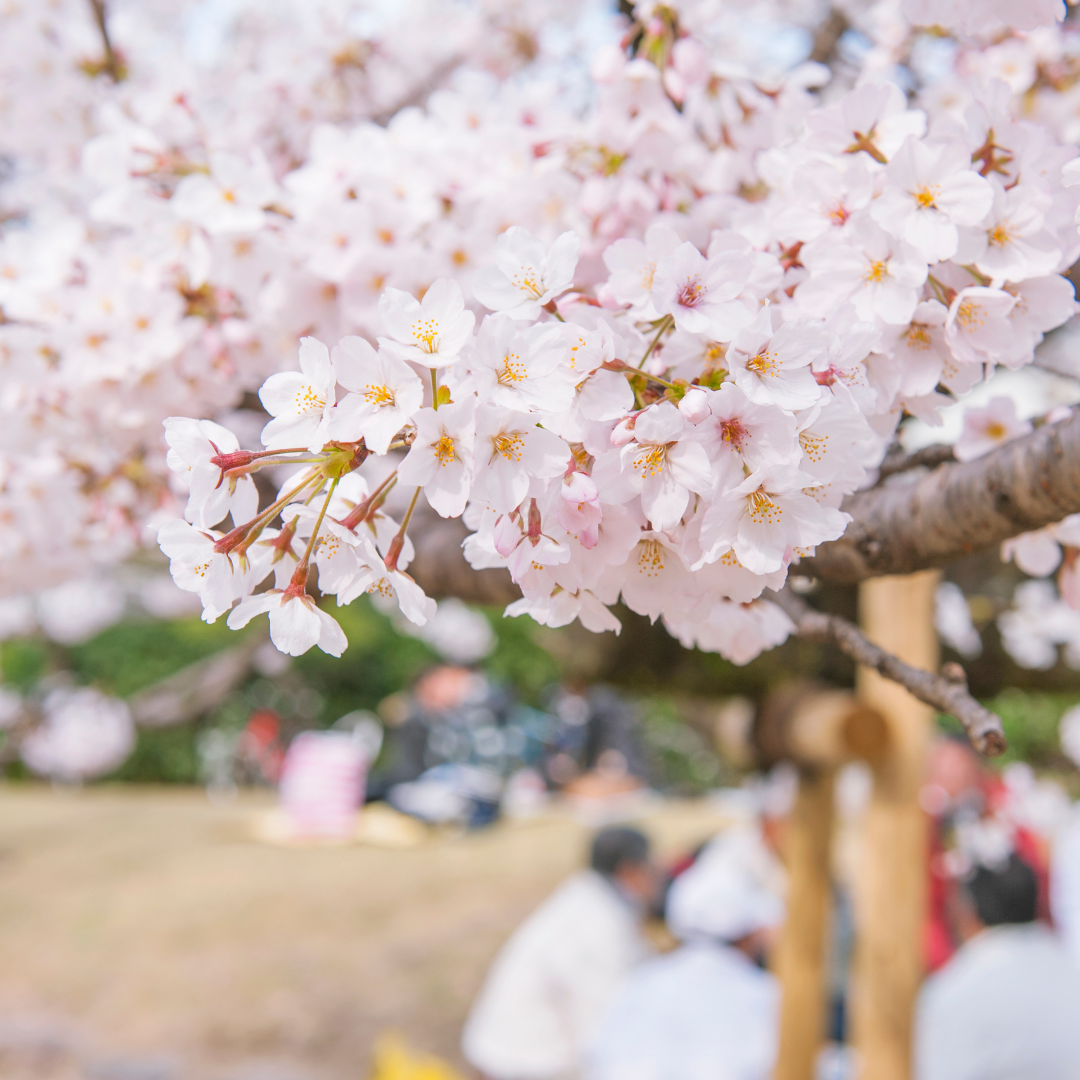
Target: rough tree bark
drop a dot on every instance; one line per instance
(917, 523)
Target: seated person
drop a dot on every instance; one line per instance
(706, 1011)
(1007, 1005)
(555, 977)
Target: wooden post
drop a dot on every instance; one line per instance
(890, 898)
(801, 952)
(818, 730)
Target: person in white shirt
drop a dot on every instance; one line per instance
(1007, 1005)
(707, 1011)
(555, 977)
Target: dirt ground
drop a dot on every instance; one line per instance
(145, 935)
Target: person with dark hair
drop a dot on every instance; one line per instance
(552, 981)
(708, 1010)
(1007, 1005)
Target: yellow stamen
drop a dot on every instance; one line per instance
(650, 558)
(877, 271)
(379, 395)
(925, 195)
(650, 460)
(444, 450)
(509, 445)
(763, 511)
(514, 371)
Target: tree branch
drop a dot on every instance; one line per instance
(957, 509)
(111, 64)
(929, 457)
(947, 691)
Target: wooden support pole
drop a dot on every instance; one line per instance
(896, 613)
(801, 951)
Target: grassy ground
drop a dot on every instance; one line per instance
(144, 935)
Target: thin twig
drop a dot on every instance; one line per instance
(111, 66)
(947, 691)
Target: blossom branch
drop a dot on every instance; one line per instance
(947, 692)
(111, 65)
(957, 509)
(929, 457)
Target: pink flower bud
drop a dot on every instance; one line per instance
(695, 406)
(624, 431)
(675, 85)
(690, 60)
(507, 535)
(579, 509)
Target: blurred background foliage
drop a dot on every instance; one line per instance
(669, 683)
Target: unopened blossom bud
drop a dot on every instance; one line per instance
(624, 431)
(579, 509)
(695, 406)
(690, 60)
(237, 459)
(507, 535)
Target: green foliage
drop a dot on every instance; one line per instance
(23, 661)
(518, 659)
(1031, 724)
(132, 655)
(379, 661)
(1030, 719)
(684, 761)
(162, 756)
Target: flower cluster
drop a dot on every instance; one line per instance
(675, 308)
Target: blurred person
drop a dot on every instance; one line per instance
(597, 745)
(1065, 883)
(259, 753)
(552, 981)
(707, 1011)
(961, 793)
(1007, 1005)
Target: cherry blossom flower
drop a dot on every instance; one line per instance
(562, 607)
(83, 734)
(526, 275)
(297, 623)
(1013, 242)
(441, 457)
(196, 566)
(432, 331)
(193, 447)
(1037, 553)
(301, 402)
(766, 517)
(654, 578)
(510, 451)
(738, 632)
(952, 620)
(521, 369)
(664, 465)
(917, 352)
(990, 427)
(376, 578)
(741, 434)
(978, 327)
(880, 276)
(231, 197)
(932, 189)
(579, 509)
(700, 293)
(384, 394)
(774, 368)
(874, 120)
(633, 268)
